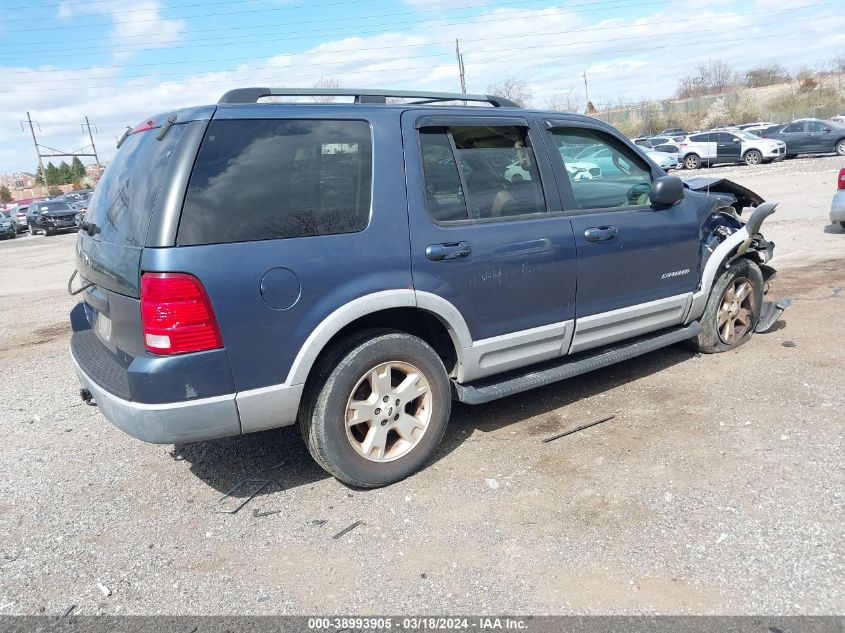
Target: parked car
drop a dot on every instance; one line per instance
(838, 118)
(810, 136)
(758, 125)
(667, 156)
(50, 216)
(18, 214)
(722, 146)
(8, 226)
(380, 264)
(673, 131)
(837, 207)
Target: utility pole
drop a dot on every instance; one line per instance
(37, 151)
(460, 66)
(91, 136)
(586, 92)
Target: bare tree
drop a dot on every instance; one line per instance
(517, 90)
(562, 102)
(328, 83)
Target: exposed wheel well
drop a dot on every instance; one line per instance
(415, 321)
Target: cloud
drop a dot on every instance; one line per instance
(132, 19)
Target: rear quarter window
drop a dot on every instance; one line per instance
(276, 179)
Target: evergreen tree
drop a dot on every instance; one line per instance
(65, 174)
(39, 176)
(5, 194)
(51, 174)
(77, 169)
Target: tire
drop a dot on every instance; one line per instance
(842, 224)
(719, 331)
(49, 232)
(353, 453)
(692, 161)
(753, 157)
(32, 230)
(840, 147)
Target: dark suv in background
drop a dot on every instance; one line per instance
(50, 216)
(354, 267)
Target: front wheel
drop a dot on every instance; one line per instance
(753, 157)
(692, 161)
(733, 308)
(377, 408)
(840, 147)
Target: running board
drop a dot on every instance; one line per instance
(514, 382)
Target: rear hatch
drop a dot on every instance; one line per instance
(140, 191)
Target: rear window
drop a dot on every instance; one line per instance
(276, 179)
(122, 203)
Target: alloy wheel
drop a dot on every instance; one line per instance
(389, 411)
(736, 311)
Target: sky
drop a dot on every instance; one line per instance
(119, 61)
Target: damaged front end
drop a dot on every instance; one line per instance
(725, 229)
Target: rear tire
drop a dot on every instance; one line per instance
(363, 378)
(732, 310)
(692, 161)
(753, 157)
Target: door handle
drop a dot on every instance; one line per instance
(600, 233)
(448, 250)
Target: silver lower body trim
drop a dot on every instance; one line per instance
(609, 327)
(268, 407)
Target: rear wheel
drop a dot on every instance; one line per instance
(692, 161)
(377, 408)
(733, 308)
(753, 157)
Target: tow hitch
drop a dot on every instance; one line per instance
(87, 398)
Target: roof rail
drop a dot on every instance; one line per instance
(252, 95)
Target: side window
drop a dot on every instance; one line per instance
(700, 138)
(815, 126)
(477, 173)
(278, 178)
(603, 172)
(795, 127)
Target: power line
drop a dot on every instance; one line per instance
(442, 54)
(262, 78)
(218, 41)
(254, 11)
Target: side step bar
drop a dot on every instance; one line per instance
(546, 373)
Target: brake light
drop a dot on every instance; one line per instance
(683, 144)
(143, 126)
(176, 314)
(842, 178)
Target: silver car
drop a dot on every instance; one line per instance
(837, 208)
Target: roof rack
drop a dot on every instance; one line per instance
(252, 95)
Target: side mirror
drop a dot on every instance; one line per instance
(666, 191)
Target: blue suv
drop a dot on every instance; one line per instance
(354, 267)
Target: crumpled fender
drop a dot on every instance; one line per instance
(743, 196)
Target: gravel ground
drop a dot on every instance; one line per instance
(718, 487)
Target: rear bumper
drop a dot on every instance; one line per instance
(169, 423)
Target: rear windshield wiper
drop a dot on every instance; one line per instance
(166, 126)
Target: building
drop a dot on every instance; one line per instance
(22, 185)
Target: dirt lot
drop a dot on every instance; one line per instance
(718, 488)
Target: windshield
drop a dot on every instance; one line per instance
(46, 207)
(748, 136)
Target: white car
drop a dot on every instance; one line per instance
(837, 208)
(577, 170)
(723, 146)
(664, 155)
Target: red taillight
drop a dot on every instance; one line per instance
(177, 315)
(683, 144)
(143, 126)
(842, 178)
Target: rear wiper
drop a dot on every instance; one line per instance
(166, 126)
(123, 138)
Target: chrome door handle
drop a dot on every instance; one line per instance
(448, 250)
(600, 233)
